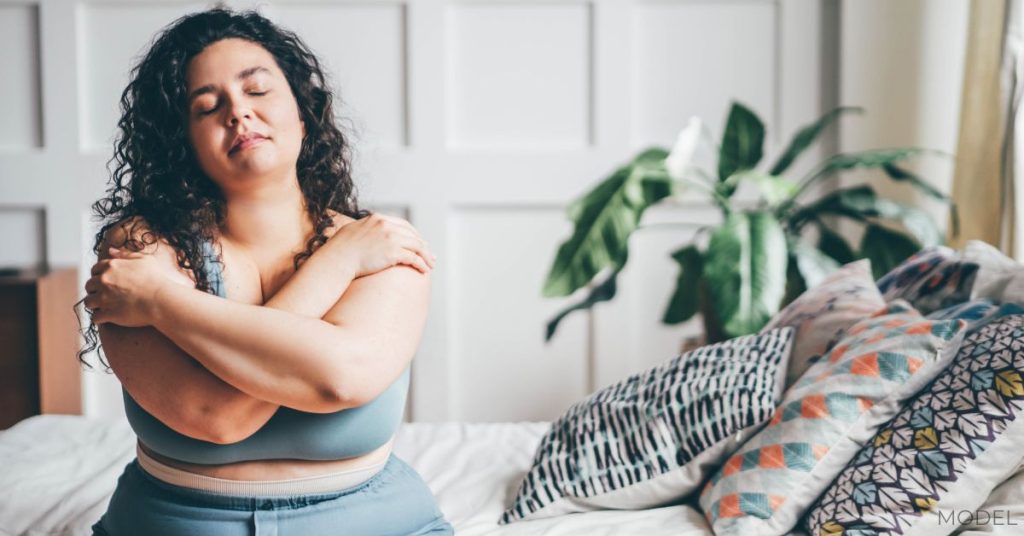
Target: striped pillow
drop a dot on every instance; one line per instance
(652, 438)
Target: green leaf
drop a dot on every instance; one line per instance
(868, 159)
(862, 204)
(897, 173)
(773, 189)
(603, 292)
(853, 202)
(886, 248)
(745, 270)
(832, 244)
(651, 156)
(683, 303)
(742, 142)
(806, 136)
(603, 220)
(814, 265)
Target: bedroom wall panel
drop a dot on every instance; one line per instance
(21, 128)
(24, 236)
(519, 75)
(364, 47)
(105, 55)
(479, 121)
(629, 336)
(682, 49)
(503, 369)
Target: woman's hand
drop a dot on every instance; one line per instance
(377, 242)
(123, 288)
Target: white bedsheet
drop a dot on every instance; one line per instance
(57, 474)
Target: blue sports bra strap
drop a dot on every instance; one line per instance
(213, 268)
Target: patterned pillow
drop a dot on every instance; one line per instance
(1000, 278)
(971, 311)
(824, 419)
(957, 440)
(825, 311)
(931, 279)
(652, 438)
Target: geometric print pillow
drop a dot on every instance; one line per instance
(652, 438)
(825, 311)
(972, 311)
(944, 452)
(933, 278)
(824, 418)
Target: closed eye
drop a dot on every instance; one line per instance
(214, 109)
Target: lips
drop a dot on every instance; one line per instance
(245, 140)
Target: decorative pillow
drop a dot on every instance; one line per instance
(971, 311)
(1003, 510)
(1000, 278)
(944, 452)
(931, 279)
(825, 417)
(652, 438)
(825, 311)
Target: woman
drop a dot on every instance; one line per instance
(262, 405)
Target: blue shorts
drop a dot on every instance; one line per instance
(395, 501)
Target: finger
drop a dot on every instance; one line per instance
(417, 262)
(425, 255)
(401, 222)
(419, 246)
(90, 285)
(125, 253)
(100, 266)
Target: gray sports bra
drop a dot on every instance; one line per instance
(289, 433)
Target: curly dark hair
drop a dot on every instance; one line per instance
(157, 176)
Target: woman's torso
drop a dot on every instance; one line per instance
(254, 279)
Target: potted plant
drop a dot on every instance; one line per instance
(760, 257)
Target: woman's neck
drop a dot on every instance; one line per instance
(268, 219)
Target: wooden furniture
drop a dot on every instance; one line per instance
(39, 340)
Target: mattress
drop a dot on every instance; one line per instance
(58, 473)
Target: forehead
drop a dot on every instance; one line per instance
(222, 60)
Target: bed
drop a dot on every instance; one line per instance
(59, 471)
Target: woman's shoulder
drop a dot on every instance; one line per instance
(339, 220)
(134, 234)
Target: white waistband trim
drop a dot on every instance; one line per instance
(327, 483)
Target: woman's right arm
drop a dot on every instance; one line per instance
(167, 382)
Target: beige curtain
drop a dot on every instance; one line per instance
(990, 151)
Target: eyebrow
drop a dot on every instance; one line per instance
(209, 88)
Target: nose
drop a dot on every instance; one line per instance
(237, 110)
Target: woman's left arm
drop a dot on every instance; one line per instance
(319, 365)
(283, 352)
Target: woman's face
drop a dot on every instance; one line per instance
(237, 93)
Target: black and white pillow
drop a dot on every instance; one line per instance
(651, 439)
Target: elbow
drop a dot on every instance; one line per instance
(229, 434)
(337, 396)
(341, 388)
(226, 428)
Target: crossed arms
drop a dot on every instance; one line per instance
(217, 370)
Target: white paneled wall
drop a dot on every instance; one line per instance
(477, 120)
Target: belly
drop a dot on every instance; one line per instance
(277, 469)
